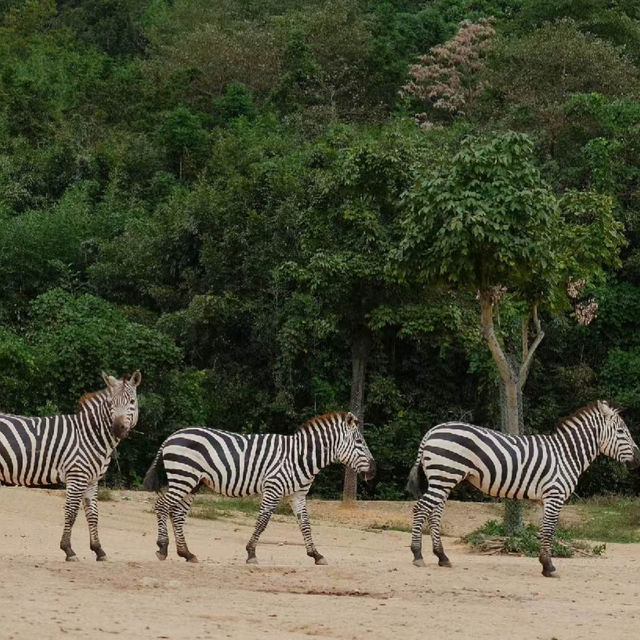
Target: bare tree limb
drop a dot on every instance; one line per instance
(488, 331)
(530, 351)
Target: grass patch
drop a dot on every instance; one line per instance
(211, 507)
(608, 518)
(105, 495)
(490, 538)
(389, 526)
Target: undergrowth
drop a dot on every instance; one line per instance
(608, 518)
(211, 508)
(491, 538)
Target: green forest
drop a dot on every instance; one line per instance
(271, 208)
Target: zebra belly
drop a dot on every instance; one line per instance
(499, 491)
(228, 490)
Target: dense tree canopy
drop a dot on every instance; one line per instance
(217, 194)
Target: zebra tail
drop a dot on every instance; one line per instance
(155, 478)
(417, 482)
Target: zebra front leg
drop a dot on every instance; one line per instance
(300, 509)
(550, 516)
(90, 503)
(178, 512)
(72, 504)
(267, 507)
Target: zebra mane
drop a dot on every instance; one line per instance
(93, 394)
(319, 420)
(592, 407)
(89, 396)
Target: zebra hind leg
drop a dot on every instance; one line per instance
(268, 505)
(162, 513)
(421, 511)
(435, 518)
(430, 507)
(178, 512)
(90, 503)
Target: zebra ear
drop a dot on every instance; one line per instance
(606, 410)
(136, 378)
(352, 420)
(108, 380)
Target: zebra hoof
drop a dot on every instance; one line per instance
(419, 562)
(102, 558)
(549, 574)
(73, 558)
(321, 560)
(253, 560)
(161, 556)
(193, 560)
(444, 563)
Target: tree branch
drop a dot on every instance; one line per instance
(530, 351)
(486, 315)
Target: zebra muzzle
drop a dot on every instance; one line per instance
(370, 473)
(634, 463)
(119, 428)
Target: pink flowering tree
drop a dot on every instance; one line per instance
(447, 78)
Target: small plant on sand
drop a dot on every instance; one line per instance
(490, 538)
(389, 526)
(105, 494)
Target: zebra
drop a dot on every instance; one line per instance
(544, 468)
(270, 464)
(74, 450)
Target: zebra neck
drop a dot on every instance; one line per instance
(94, 423)
(579, 444)
(314, 447)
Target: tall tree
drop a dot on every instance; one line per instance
(486, 222)
(346, 235)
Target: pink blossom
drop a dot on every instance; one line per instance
(448, 76)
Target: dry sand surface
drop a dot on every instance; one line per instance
(369, 590)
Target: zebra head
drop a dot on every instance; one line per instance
(123, 403)
(352, 449)
(615, 439)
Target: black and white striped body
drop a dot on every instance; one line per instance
(43, 451)
(545, 468)
(505, 466)
(74, 450)
(239, 465)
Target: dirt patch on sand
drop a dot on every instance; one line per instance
(369, 588)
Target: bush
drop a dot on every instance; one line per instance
(491, 537)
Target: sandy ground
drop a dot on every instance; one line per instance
(370, 589)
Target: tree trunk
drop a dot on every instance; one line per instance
(359, 357)
(512, 423)
(512, 381)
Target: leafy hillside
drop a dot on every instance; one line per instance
(216, 193)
